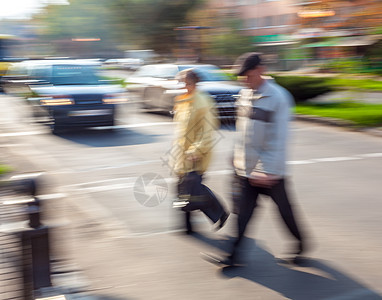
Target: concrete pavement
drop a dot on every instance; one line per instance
(102, 262)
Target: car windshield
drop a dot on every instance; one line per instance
(158, 71)
(208, 73)
(74, 75)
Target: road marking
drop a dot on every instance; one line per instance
(223, 172)
(334, 159)
(152, 124)
(129, 182)
(24, 133)
(103, 181)
(101, 168)
(13, 145)
(370, 155)
(103, 188)
(138, 125)
(27, 175)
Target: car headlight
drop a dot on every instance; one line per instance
(53, 101)
(114, 98)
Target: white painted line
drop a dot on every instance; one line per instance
(130, 181)
(59, 297)
(27, 175)
(101, 168)
(370, 155)
(126, 179)
(18, 201)
(300, 162)
(52, 196)
(25, 133)
(334, 159)
(138, 125)
(104, 188)
(14, 145)
(331, 159)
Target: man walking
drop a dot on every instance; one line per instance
(263, 115)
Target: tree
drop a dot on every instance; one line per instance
(151, 23)
(61, 24)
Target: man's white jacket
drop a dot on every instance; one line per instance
(262, 124)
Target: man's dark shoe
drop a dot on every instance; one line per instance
(189, 232)
(299, 250)
(227, 261)
(222, 221)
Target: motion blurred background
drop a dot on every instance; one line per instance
(332, 35)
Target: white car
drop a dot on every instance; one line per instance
(156, 86)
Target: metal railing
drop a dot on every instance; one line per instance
(24, 241)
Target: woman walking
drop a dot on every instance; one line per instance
(196, 120)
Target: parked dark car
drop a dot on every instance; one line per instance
(67, 93)
(156, 86)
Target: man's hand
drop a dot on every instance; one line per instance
(263, 179)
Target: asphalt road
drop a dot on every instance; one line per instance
(335, 181)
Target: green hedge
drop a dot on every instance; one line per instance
(4, 169)
(304, 88)
(361, 114)
(358, 84)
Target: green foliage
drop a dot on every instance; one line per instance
(346, 65)
(304, 88)
(361, 114)
(370, 63)
(115, 80)
(82, 18)
(130, 23)
(230, 42)
(151, 23)
(359, 84)
(4, 169)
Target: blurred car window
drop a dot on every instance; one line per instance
(208, 73)
(167, 71)
(158, 71)
(144, 71)
(74, 75)
(41, 72)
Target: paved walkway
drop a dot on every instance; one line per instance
(97, 261)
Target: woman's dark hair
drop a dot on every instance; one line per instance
(188, 74)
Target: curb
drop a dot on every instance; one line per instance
(374, 131)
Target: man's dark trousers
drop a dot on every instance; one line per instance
(248, 202)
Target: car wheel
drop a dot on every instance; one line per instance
(56, 128)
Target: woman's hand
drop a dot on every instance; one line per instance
(192, 157)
